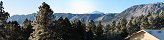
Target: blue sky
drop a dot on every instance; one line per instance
(23, 7)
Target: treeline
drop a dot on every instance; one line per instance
(45, 27)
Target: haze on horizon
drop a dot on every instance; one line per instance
(19, 7)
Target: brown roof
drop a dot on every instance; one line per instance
(135, 34)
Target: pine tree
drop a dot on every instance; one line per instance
(91, 30)
(65, 26)
(3, 15)
(43, 23)
(91, 25)
(144, 22)
(99, 31)
(78, 30)
(122, 24)
(113, 26)
(132, 26)
(13, 31)
(160, 19)
(89, 35)
(27, 29)
(26, 24)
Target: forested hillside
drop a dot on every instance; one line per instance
(46, 27)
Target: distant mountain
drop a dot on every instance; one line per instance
(21, 18)
(96, 12)
(96, 16)
(78, 16)
(142, 9)
(107, 17)
(136, 10)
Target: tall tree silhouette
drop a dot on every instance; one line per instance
(27, 29)
(3, 15)
(42, 24)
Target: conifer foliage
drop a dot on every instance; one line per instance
(3, 15)
(46, 27)
(42, 23)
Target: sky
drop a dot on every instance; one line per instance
(24, 7)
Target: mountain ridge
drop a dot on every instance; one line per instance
(138, 10)
(70, 16)
(133, 11)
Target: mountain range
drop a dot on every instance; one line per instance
(95, 16)
(143, 9)
(134, 11)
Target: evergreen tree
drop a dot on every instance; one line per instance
(144, 22)
(91, 25)
(132, 26)
(78, 30)
(160, 19)
(65, 26)
(3, 15)
(27, 29)
(91, 30)
(89, 35)
(13, 31)
(13, 26)
(99, 31)
(121, 25)
(43, 23)
(113, 26)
